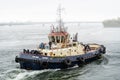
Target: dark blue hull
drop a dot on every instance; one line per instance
(38, 62)
(48, 65)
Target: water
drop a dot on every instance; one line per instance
(14, 38)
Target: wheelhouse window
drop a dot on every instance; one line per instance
(52, 38)
(62, 39)
(58, 39)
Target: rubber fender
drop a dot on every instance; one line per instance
(16, 59)
(103, 49)
(67, 62)
(44, 65)
(81, 59)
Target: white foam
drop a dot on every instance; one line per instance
(30, 73)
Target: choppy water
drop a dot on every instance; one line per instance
(14, 38)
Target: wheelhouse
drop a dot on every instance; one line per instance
(58, 37)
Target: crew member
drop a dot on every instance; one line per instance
(50, 44)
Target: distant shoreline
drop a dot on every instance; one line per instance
(31, 23)
(106, 23)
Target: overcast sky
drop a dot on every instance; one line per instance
(45, 10)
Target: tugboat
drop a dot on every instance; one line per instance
(60, 52)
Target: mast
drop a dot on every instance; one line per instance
(59, 16)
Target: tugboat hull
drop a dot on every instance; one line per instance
(39, 62)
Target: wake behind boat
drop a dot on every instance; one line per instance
(62, 51)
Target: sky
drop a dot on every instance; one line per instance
(46, 10)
